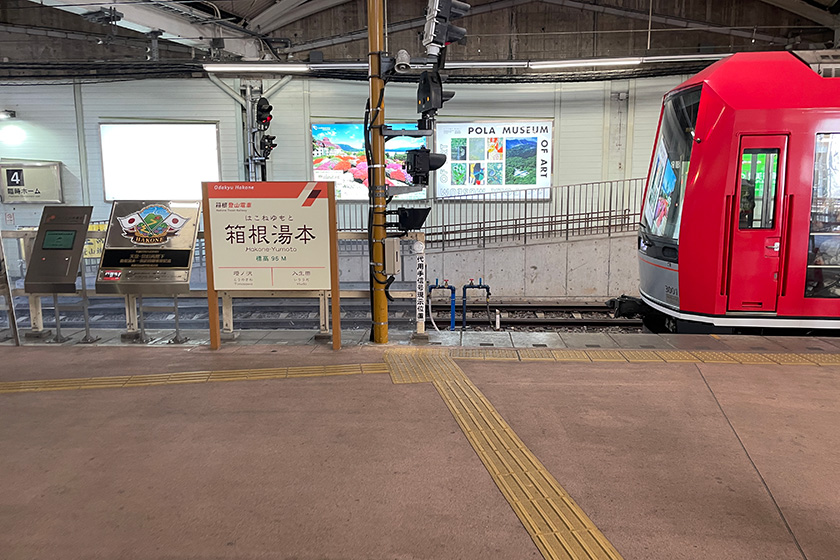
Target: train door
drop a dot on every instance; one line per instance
(757, 228)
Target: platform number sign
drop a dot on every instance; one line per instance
(30, 182)
(14, 177)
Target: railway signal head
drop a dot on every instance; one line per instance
(439, 31)
(263, 113)
(430, 94)
(266, 145)
(420, 162)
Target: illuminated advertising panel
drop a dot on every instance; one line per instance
(338, 155)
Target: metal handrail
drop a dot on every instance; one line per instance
(560, 211)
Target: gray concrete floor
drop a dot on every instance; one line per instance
(667, 459)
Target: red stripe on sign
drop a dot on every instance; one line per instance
(310, 200)
(274, 189)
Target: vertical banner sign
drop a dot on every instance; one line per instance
(420, 293)
(494, 157)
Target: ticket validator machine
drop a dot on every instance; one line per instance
(54, 260)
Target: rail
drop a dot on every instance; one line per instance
(519, 215)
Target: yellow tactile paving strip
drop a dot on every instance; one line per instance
(560, 529)
(558, 526)
(187, 377)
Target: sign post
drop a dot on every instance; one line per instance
(270, 236)
(6, 293)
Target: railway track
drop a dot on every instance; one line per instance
(108, 313)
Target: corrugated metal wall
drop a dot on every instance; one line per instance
(158, 100)
(47, 116)
(587, 117)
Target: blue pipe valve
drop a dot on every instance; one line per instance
(472, 286)
(446, 286)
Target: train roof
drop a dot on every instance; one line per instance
(767, 80)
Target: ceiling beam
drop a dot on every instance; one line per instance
(504, 4)
(670, 21)
(273, 13)
(395, 27)
(807, 11)
(311, 7)
(175, 27)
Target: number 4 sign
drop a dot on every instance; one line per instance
(14, 177)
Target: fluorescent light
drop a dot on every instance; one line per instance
(685, 58)
(271, 68)
(541, 64)
(487, 64)
(339, 66)
(7, 114)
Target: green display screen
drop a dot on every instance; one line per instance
(58, 239)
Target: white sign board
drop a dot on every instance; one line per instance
(494, 156)
(269, 235)
(30, 182)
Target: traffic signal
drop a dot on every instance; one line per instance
(263, 113)
(420, 162)
(430, 94)
(266, 145)
(439, 32)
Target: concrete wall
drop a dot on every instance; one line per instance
(587, 268)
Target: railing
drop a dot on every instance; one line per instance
(521, 215)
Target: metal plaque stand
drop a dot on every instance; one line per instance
(58, 339)
(83, 306)
(177, 339)
(87, 339)
(142, 339)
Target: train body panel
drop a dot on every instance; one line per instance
(742, 204)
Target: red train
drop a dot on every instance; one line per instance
(740, 226)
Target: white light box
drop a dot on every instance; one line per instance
(158, 161)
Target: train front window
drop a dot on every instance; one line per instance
(666, 185)
(759, 177)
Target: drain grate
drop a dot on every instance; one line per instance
(486, 344)
(540, 345)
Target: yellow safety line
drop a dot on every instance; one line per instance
(640, 356)
(187, 377)
(559, 527)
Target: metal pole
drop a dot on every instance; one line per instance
(6, 293)
(177, 339)
(87, 339)
(140, 315)
(376, 33)
(249, 134)
(58, 338)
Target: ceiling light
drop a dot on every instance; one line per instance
(339, 66)
(488, 64)
(6, 114)
(270, 68)
(541, 64)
